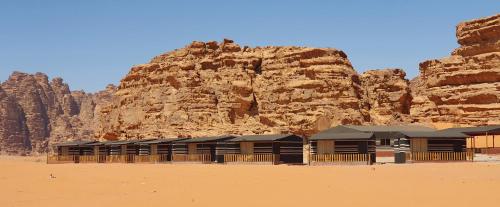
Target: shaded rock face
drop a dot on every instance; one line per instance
(35, 113)
(387, 96)
(13, 130)
(465, 87)
(221, 88)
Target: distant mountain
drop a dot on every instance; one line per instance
(35, 113)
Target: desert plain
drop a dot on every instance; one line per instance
(29, 181)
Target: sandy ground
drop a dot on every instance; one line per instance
(27, 182)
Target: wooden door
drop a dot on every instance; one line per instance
(192, 148)
(246, 148)
(326, 147)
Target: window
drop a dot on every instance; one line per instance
(385, 142)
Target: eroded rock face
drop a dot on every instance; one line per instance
(211, 88)
(221, 88)
(465, 87)
(387, 96)
(35, 113)
(13, 130)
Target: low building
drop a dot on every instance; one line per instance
(385, 137)
(395, 143)
(433, 146)
(70, 151)
(123, 150)
(157, 150)
(484, 139)
(333, 146)
(201, 149)
(276, 149)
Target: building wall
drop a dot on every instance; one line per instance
(437, 145)
(192, 148)
(344, 146)
(162, 148)
(418, 145)
(154, 149)
(246, 148)
(326, 147)
(484, 141)
(64, 150)
(446, 145)
(291, 151)
(123, 149)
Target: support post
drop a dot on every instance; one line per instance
(276, 152)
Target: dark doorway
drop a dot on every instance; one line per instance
(213, 156)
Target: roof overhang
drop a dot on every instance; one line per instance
(266, 138)
(206, 139)
(343, 136)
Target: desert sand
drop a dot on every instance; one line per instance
(30, 182)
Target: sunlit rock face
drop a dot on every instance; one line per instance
(465, 87)
(214, 88)
(210, 88)
(387, 96)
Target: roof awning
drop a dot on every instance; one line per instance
(380, 132)
(206, 139)
(476, 131)
(266, 138)
(75, 143)
(389, 128)
(162, 141)
(343, 136)
(436, 134)
(126, 142)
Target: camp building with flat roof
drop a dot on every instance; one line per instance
(483, 139)
(269, 148)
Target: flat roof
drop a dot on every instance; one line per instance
(123, 142)
(206, 139)
(389, 128)
(98, 143)
(266, 137)
(343, 136)
(380, 132)
(435, 134)
(75, 143)
(479, 130)
(163, 140)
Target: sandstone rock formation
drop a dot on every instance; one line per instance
(387, 96)
(13, 129)
(211, 88)
(465, 87)
(35, 112)
(221, 88)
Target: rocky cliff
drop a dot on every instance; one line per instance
(213, 88)
(387, 96)
(35, 112)
(222, 88)
(465, 87)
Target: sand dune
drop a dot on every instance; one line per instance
(31, 182)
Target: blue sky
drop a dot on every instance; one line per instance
(92, 43)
